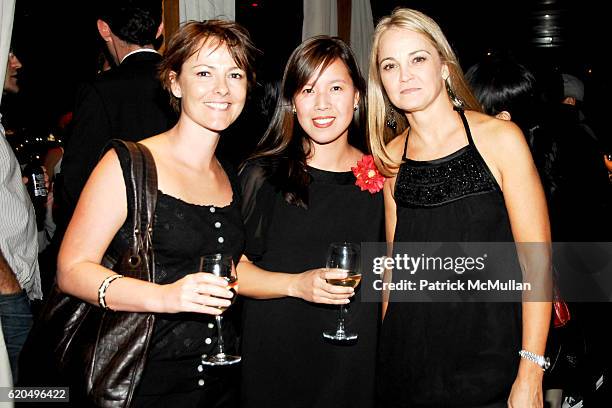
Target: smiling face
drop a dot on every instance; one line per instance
(325, 105)
(411, 70)
(212, 88)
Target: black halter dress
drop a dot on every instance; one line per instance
(449, 354)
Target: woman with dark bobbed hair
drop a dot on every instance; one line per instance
(506, 89)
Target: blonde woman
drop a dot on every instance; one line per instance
(455, 175)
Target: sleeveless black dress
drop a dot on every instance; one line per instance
(286, 362)
(449, 354)
(182, 233)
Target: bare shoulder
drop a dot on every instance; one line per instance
(494, 137)
(109, 162)
(107, 173)
(104, 191)
(396, 146)
(159, 148)
(154, 143)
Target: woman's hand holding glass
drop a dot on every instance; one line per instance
(313, 286)
(220, 265)
(199, 292)
(343, 255)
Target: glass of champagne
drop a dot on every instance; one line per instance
(220, 265)
(345, 256)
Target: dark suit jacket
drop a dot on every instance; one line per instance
(126, 102)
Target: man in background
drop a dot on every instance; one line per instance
(126, 102)
(19, 272)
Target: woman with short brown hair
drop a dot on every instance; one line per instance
(206, 68)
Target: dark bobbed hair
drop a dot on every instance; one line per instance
(285, 147)
(500, 83)
(194, 35)
(133, 21)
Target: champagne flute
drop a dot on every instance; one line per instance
(345, 256)
(220, 265)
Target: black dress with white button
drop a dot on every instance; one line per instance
(173, 375)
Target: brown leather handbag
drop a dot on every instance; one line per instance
(100, 354)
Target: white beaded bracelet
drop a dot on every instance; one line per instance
(102, 290)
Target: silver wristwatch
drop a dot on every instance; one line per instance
(542, 361)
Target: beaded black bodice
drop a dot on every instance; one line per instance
(426, 349)
(436, 182)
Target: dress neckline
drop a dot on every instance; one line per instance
(449, 156)
(232, 186)
(181, 201)
(439, 160)
(331, 177)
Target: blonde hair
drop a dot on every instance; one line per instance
(379, 106)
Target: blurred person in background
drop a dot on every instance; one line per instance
(565, 151)
(126, 102)
(19, 271)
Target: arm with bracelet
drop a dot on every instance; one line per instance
(531, 231)
(100, 213)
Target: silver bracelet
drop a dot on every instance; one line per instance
(102, 290)
(542, 361)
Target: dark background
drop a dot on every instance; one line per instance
(58, 45)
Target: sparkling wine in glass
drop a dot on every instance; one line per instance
(232, 282)
(220, 265)
(345, 256)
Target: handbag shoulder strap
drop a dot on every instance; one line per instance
(140, 176)
(148, 194)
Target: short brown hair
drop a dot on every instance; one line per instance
(193, 35)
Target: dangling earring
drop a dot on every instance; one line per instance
(390, 117)
(355, 108)
(294, 111)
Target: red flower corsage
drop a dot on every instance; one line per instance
(367, 175)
